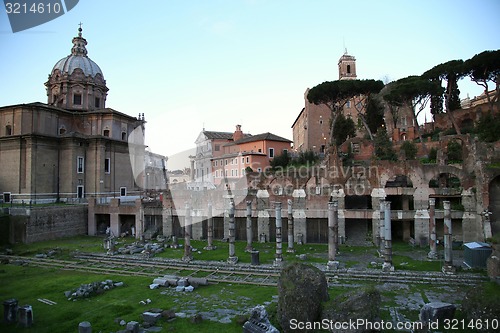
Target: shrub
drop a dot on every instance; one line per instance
(410, 150)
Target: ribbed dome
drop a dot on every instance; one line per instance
(78, 59)
(72, 62)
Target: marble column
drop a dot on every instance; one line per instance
(232, 259)
(290, 248)
(382, 229)
(432, 228)
(387, 266)
(279, 250)
(188, 256)
(448, 246)
(333, 234)
(210, 229)
(249, 246)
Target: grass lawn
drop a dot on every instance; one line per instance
(27, 284)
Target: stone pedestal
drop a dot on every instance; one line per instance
(25, 316)
(167, 218)
(378, 196)
(10, 311)
(299, 216)
(421, 219)
(84, 327)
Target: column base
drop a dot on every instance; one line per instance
(332, 265)
(209, 247)
(432, 255)
(387, 267)
(249, 248)
(232, 260)
(278, 262)
(449, 269)
(290, 250)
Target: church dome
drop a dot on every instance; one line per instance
(72, 62)
(78, 59)
(76, 82)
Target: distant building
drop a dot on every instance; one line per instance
(253, 153)
(225, 155)
(311, 128)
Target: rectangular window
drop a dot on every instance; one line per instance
(124, 136)
(80, 193)
(271, 152)
(248, 160)
(107, 165)
(123, 191)
(80, 164)
(217, 147)
(236, 173)
(77, 99)
(242, 160)
(6, 197)
(97, 103)
(215, 163)
(242, 172)
(226, 162)
(348, 104)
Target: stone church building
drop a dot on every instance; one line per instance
(73, 146)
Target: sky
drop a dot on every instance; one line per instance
(213, 64)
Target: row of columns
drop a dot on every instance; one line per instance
(384, 235)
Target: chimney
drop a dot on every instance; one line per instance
(238, 134)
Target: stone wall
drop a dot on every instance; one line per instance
(45, 223)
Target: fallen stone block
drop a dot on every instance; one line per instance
(151, 317)
(437, 311)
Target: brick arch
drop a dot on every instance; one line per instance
(433, 172)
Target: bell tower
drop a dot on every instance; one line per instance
(347, 67)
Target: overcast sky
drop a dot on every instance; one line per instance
(189, 65)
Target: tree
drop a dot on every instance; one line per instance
(410, 150)
(374, 113)
(483, 68)
(413, 92)
(281, 160)
(383, 146)
(335, 94)
(343, 128)
(488, 128)
(451, 71)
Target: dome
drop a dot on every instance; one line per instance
(72, 62)
(76, 82)
(78, 59)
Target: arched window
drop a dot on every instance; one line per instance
(106, 132)
(8, 130)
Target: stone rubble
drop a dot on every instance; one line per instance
(89, 289)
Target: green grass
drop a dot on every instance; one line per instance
(27, 284)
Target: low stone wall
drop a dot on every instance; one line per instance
(45, 223)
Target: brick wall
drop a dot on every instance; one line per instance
(47, 223)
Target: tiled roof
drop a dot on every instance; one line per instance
(262, 137)
(221, 135)
(218, 135)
